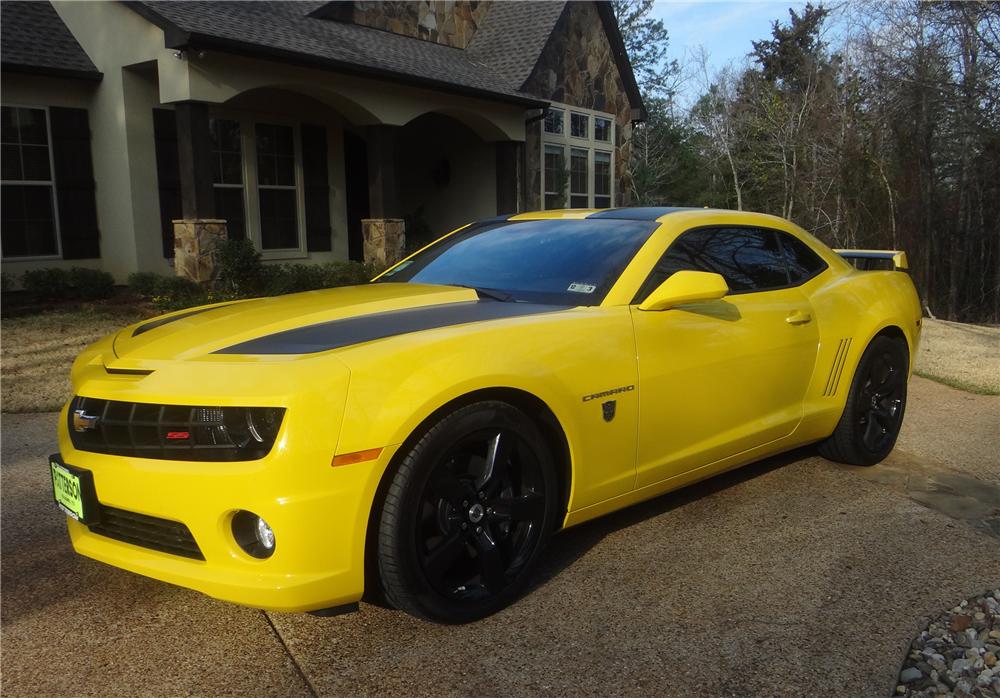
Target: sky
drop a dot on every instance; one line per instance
(725, 28)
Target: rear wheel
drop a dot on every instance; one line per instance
(467, 514)
(873, 415)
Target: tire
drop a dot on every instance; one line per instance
(873, 415)
(461, 530)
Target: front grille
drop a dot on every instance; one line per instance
(174, 432)
(148, 532)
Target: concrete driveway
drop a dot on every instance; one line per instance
(794, 576)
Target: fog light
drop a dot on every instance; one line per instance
(253, 534)
(265, 536)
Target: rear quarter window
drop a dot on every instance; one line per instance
(803, 263)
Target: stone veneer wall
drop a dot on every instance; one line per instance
(451, 22)
(578, 68)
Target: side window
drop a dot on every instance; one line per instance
(749, 259)
(802, 262)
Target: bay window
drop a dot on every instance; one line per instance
(586, 177)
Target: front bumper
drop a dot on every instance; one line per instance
(319, 513)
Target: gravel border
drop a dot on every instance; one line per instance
(958, 653)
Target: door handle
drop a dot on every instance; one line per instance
(799, 317)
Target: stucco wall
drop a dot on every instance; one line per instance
(140, 74)
(121, 127)
(452, 23)
(448, 171)
(578, 68)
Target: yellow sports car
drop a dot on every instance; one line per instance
(419, 438)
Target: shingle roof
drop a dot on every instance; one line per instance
(284, 30)
(513, 36)
(33, 39)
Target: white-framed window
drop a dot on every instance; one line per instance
(555, 121)
(577, 158)
(27, 185)
(554, 175)
(277, 186)
(227, 175)
(258, 181)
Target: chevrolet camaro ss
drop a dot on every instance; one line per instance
(418, 439)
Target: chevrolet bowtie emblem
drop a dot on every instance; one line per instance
(83, 421)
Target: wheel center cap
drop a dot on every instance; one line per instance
(476, 513)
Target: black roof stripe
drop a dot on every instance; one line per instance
(639, 213)
(341, 333)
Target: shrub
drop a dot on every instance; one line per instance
(91, 284)
(292, 278)
(145, 283)
(178, 287)
(6, 282)
(347, 273)
(240, 270)
(47, 284)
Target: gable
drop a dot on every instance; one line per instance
(583, 64)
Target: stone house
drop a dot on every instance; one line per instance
(315, 129)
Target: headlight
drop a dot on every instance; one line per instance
(173, 432)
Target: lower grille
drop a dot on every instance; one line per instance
(148, 532)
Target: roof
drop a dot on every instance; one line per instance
(285, 31)
(511, 39)
(33, 39)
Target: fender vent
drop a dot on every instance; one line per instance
(839, 359)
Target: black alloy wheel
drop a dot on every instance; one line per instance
(880, 401)
(873, 415)
(467, 515)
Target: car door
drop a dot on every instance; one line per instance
(717, 378)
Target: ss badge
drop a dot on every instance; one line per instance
(609, 409)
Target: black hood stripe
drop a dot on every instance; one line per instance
(153, 324)
(342, 333)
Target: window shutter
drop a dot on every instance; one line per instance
(168, 176)
(317, 189)
(75, 186)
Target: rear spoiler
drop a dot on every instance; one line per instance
(870, 259)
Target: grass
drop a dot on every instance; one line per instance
(36, 353)
(957, 383)
(963, 356)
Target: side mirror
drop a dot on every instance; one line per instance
(686, 287)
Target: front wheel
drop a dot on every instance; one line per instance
(467, 514)
(873, 415)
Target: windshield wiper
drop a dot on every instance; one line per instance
(490, 293)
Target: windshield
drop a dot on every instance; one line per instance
(560, 262)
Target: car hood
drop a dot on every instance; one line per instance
(209, 329)
(306, 323)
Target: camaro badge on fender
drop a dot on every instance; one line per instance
(608, 393)
(609, 409)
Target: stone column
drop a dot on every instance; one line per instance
(195, 245)
(198, 235)
(384, 240)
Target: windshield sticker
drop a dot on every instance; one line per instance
(582, 288)
(399, 267)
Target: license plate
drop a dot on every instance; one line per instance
(68, 491)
